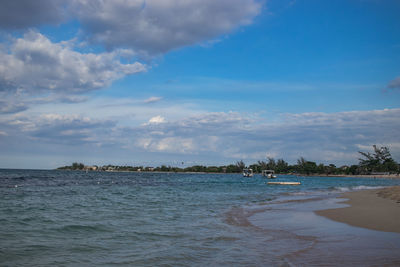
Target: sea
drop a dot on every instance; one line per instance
(74, 218)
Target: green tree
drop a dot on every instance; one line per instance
(213, 169)
(164, 168)
(240, 165)
(331, 169)
(379, 161)
(263, 165)
(353, 169)
(271, 165)
(77, 166)
(232, 169)
(256, 168)
(306, 167)
(321, 168)
(281, 166)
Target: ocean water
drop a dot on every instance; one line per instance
(72, 218)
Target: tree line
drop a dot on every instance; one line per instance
(379, 161)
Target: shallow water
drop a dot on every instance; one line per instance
(150, 219)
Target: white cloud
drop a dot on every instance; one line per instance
(332, 137)
(175, 144)
(178, 144)
(35, 64)
(152, 99)
(147, 26)
(156, 120)
(154, 26)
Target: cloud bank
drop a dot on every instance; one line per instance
(315, 135)
(69, 130)
(226, 136)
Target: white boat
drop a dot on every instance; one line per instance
(247, 172)
(268, 173)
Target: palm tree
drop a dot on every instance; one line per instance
(240, 165)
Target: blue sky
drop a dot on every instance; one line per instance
(201, 82)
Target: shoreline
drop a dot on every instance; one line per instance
(377, 209)
(384, 176)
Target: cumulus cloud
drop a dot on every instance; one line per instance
(156, 120)
(154, 26)
(168, 144)
(193, 135)
(32, 63)
(36, 64)
(147, 26)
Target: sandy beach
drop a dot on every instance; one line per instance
(373, 176)
(373, 209)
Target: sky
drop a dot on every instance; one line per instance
(210, 82)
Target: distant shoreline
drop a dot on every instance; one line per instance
(385, 176)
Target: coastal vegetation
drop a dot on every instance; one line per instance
(379, 161)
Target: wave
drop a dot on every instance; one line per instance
(333, 189)
(321, 193)
(357, 188)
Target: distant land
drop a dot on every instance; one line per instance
(379, 163)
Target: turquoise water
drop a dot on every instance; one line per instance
(69, 218)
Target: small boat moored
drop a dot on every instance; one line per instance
(247, 172)
(268, 173)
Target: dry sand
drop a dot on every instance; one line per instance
(373, 209)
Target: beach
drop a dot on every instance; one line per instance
(377, 209)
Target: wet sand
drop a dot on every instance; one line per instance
(373, 209)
